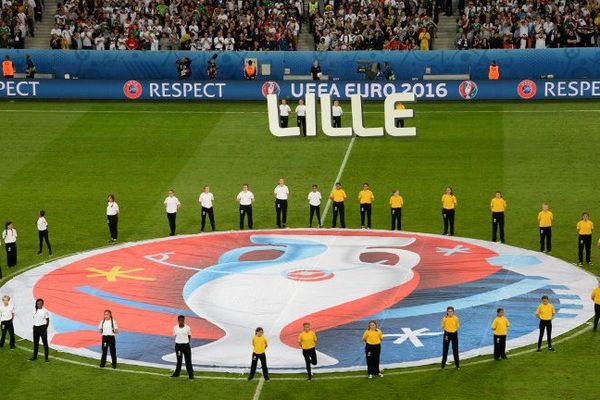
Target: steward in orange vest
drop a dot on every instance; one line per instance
(8, 68)
(250, 71)
(494, 72)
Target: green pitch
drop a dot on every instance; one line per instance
(65, 157)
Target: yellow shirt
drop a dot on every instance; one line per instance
(585, 227)
(396, 201)
(449, 201)
(373, 336)
(259, 344)
(308, 340)
(450, 324)
(365, 197)
(545, 311)
(500, 326)
(545, 219)
(596, 295)
(338, 195)
(498, 204)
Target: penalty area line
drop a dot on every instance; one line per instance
(259, 389)
(338, 178)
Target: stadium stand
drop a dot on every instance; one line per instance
(18, 20)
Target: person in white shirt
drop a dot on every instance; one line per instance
(41, 320)
(9, 235)
(7, 314)
(245, 198)
(336, 112)
(112, 214)
(314, 200)
(183, 336)
(108, 328)
(172, 204)
(301, 116)
(206, 200)
(284, 113)
(281, 193)
(42, 226)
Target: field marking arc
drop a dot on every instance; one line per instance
(338, 178)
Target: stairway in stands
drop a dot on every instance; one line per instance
(446, 34)
(43, 28)
(306, 41)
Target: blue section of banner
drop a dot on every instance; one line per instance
(242, 90)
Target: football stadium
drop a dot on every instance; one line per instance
(299, 199)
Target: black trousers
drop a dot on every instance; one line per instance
(263, 363)
(337, 122)
(43, 236)
(596, 316)
(211, 217)
(546, 239)
(373, 353)
(315, 210)
(113, 226)
(365, 210)
(310, 358)
(399, 123)
(450, 337)
(397, 218)
(7, 326)
(301, 122)
(183, 350)
(497, 224)
(40, 332)
(585, 241)
(499, 346)
(448, 215)
(545, 325)
(281, 211)
(109, 343)
(172, 218)
(284, 120)
(338, 209)
(11, 254)
(246, 211)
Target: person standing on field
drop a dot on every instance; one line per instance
(183, 337)
(112, 214)
(450, 325)
(373, 338)
(448, 209)
(42, 226)
(259, 347)
(498, 206)
(545, 312)
(596, 300)
(585, 228)
(338, 196)
(172, 204)
(206, 200)
(9, 235)
(336, 113)
(396, 204)
(281, 193)
(545, 220)
(301, 117)
(314, 202)
(500, 329)
(245, 198)
(308, 342)
(7, 316)
(365, 200)
(108, 329)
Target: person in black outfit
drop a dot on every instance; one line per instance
(315, 71)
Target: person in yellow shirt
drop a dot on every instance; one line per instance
(259, 346)
(448, 206)
(596, 300)
(545, 312)
(365, 199)
(338, 196)
(372, 338)
(396, 204)
(498, 206)
(450, 325)
(308, 342)
(585, 228)
(545, 220)
(500, 328)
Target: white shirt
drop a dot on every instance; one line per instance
(171, 203)
(206, 199)
(107, 327)
(245, 198)
(301, 111)
(41, 317)
(6, 312)
(182, 335)
(281, 192)
(112, 208)
(9, 235)
(314, 198)
(284, 110)
(336, 111)
(42, 224)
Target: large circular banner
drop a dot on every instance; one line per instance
(229, 283)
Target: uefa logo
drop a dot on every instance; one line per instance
(467, 90)
(526, 89)
(228, 283)
(270, 87)
(132, 89)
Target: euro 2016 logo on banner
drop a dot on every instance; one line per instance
(132, 89)
(227, 284)
(270, 87)
(526, 89)
(467, 90)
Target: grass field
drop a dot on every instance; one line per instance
(65, 157)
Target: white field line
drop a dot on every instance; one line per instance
(338, 178)
(62, 111)
(258, 389)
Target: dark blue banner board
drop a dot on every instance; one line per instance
(243, 90)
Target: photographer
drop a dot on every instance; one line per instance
(184, 68)
(211, 70)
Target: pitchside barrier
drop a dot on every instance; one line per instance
(131, 89)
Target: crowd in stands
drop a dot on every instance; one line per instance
(17, 21)
(523, 24)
